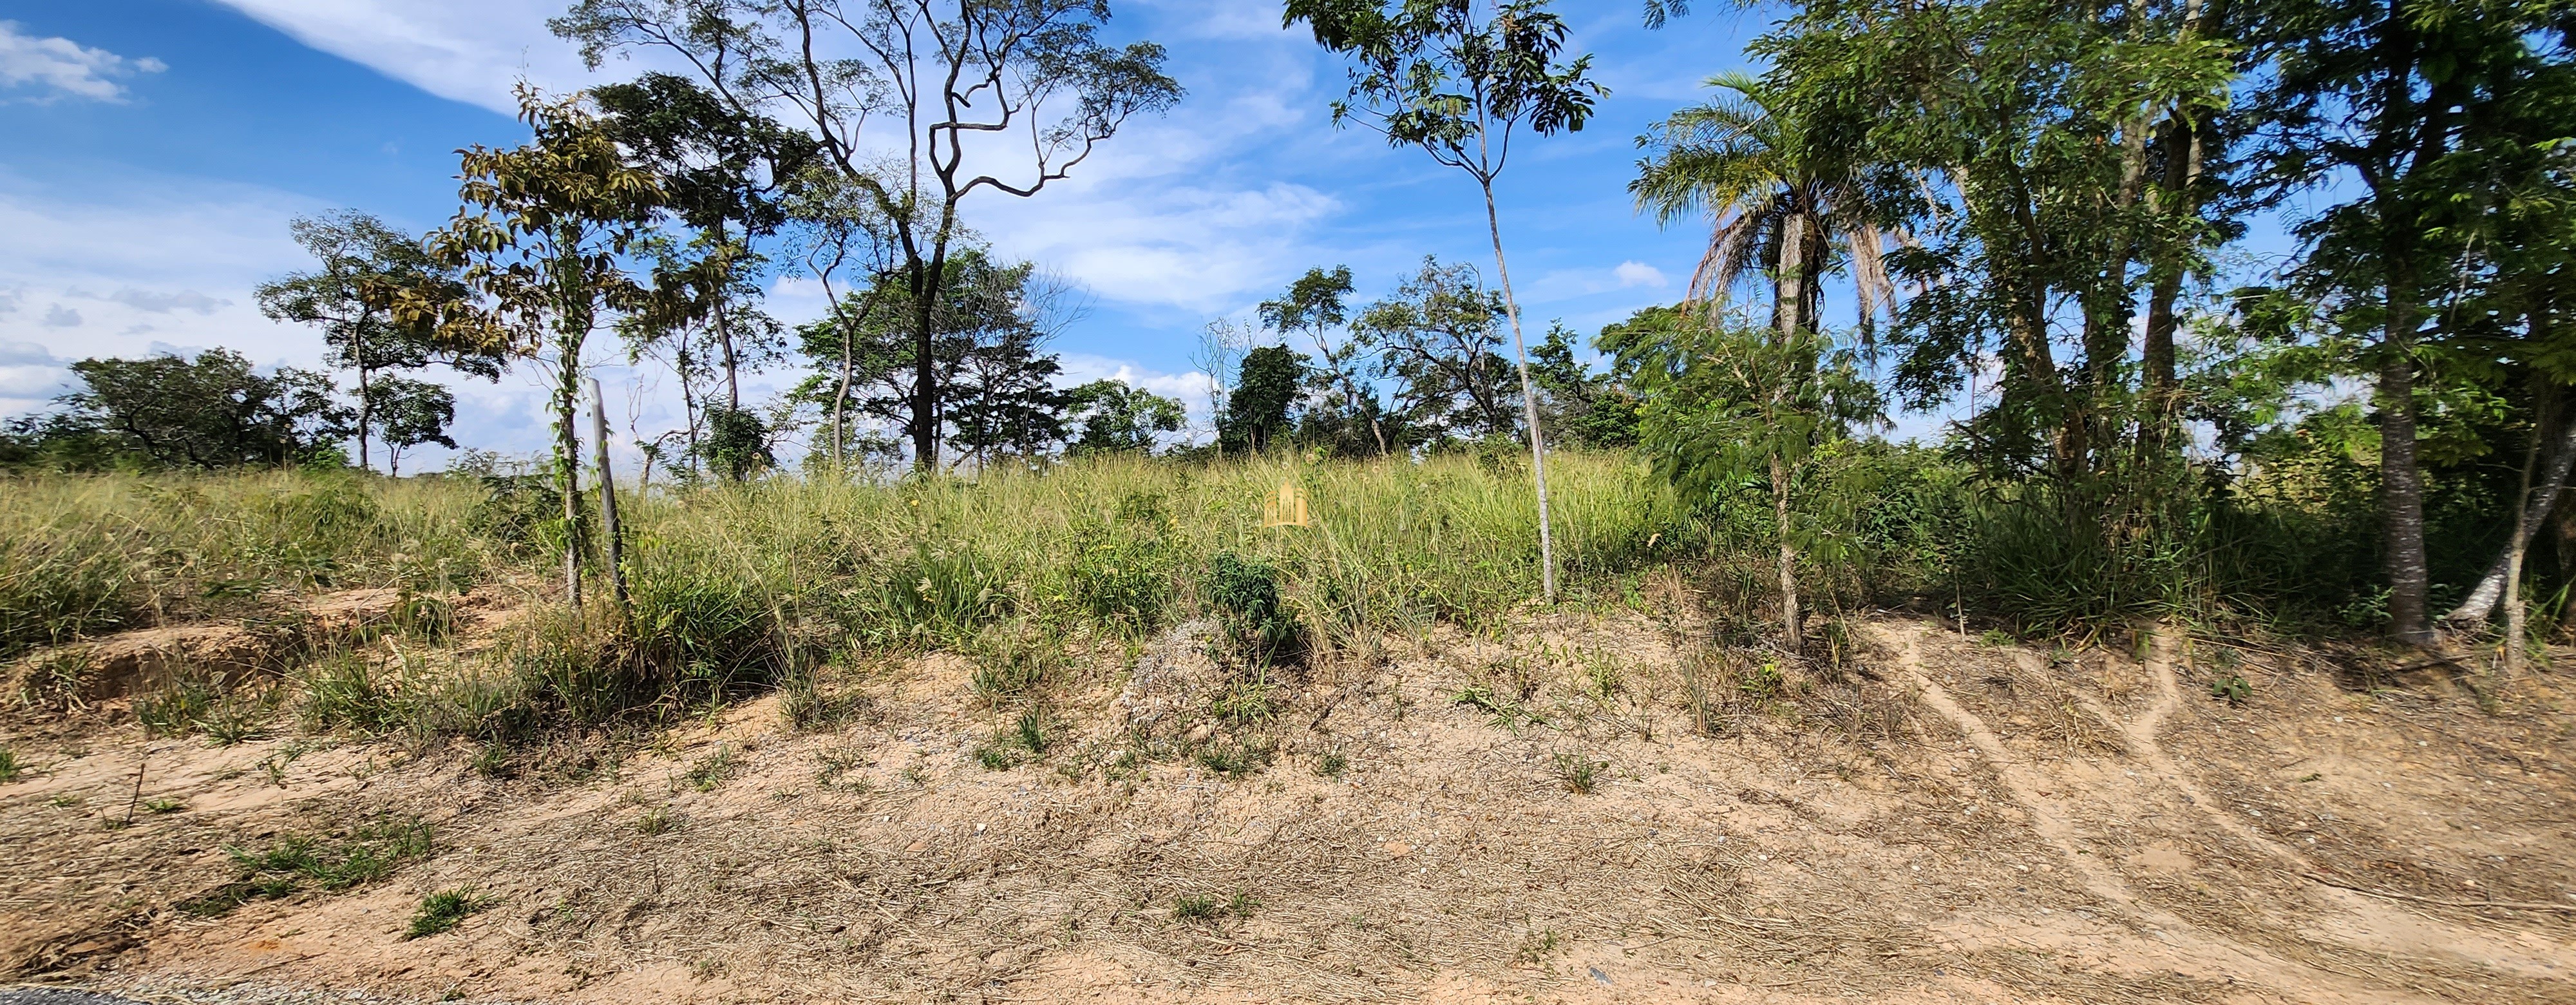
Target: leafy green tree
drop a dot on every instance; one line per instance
(1116, 417)
(1769, 187)
(2411, 100)
(1456, 78)
(1316, 303)
(213, 411)
(364, 268)
(408, 413)
(541, 241)
(722, 173)
(1256, 414)
(1593, 409)
(1724, 409)
(1439, 338)
(921, 78)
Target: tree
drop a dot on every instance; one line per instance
(541, 242)
(1256, 416)
(841, 231)
(1724, 407)
(408, 413)
(948, 73)
(213, 411)
(722, 171)
(993, 322)
(1456, 78)
(2399, 97)
(1438, 337)
(1578, 405)
(1754, 171)
(1315, 304)
(365, 267)
(1116, 417)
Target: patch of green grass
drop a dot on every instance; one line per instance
(1204, 907)
(1763, 683)
(293, 862)
(441, 912)
(712, 770)
(9, 766)
(234, 720)
(1502, 711)
(178, 707)
(1235, 759)
(1332, 765)
(655, 820)
(1579, 773)
(1025, 740)
(164, 804)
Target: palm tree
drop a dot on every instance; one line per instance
(1772, 193)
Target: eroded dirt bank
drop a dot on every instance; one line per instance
(1584, 808)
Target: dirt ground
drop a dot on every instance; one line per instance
(1587, 807)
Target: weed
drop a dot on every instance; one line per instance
(1332, 765)
(1246, 594)
(1025, 740)
(64, 801)
(343, 690)
(1242, 904)
(442, 911)
(1996, 638)
(1503, 712)
(235, 719)
(837, 763)
(1236, 760)
(1539, 947)
(179, 706)
(1197, 907)
(656, 820)
(1014, 662)
(2232, 689)
(367, 853)
(713, 769)
(1579, 773)
(491, 760)
(1763, 683)
(9, 767)
(1246, 701)
(1603, 674)
(164, 804)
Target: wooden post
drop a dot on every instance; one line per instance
(608, 498)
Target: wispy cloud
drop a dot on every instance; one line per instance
(464, 50)
(55, 68)
(151, 302)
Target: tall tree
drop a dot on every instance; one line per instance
(1116, 417)
(1439, 337)
(364, 267)
(1456, 78)
(541, 240)
(213, 411)
(1767, 187)
(2395, 95)
(952, 76)
(1256, 416)
(1315, 304)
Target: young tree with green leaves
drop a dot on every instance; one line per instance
(1117, 417)
(364, 267)
(1439, 338)
(1723, 408)
(1256, 414)
(541, 241)
(953, 87)
(408, 413)
(1455, 79)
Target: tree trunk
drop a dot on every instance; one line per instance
(1788, 287)
(1529, 400)
(1792, 627)
(2402, 485)
(608, 501)
(925, 369)
(366, 410)
(568, 472)
(2529, 514)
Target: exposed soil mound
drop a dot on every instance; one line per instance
(1582, 808)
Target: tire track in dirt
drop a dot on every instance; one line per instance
(2055, 825)
(2358, 921)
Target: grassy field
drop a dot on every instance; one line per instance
(751, 586)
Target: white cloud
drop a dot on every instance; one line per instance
(59, 67)
(464, 50)
(62, 317)
(163, 303)
(1631, 274)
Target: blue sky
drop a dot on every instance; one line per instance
(160, 147)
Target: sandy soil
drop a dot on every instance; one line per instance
(1934, 820)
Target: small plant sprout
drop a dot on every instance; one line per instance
(442, 911)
